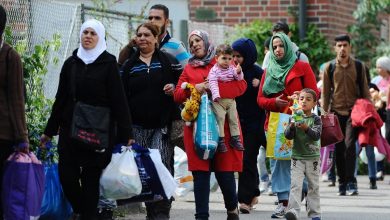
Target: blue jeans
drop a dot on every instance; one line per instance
(371, 162)
(226, 182)
(261, 165)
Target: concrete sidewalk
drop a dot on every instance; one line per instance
(369, 204)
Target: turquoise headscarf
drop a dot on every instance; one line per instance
(278, 68)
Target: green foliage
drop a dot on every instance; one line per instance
(258, 31)
(35, 63)
(315, 45)
(364, 33)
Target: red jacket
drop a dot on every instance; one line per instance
(365, 117)
(228, 161)
(300, 76)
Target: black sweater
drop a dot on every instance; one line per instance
(98, 84)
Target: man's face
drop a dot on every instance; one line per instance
(157, 17)
(343, 49)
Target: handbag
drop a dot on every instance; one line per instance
(331, 131)
(90, 124)
(278, 146)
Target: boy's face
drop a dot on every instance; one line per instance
(224, 60)
(306, 100)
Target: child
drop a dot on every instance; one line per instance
(305, 159)
(224, 71)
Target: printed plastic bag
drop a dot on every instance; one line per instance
(278, 147)
(120, 179)
(23, 187)
(326, 156)
(206, 130)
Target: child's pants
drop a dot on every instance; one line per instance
(312, 170)
(226, 107)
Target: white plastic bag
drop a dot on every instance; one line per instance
(378, 156)
(166, 179)
(120, 179)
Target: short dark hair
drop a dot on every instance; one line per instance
(152, 27)
(267, 42)
(281, 26)
(224, 49)
(310, 91)
(3, 19)
(163, 8)
(342, 37)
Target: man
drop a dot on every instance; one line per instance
(341, 87)
(281, 26)
(159, 15)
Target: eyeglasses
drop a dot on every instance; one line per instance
(155, 18)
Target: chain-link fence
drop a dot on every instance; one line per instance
(35, 21)
(219, 33)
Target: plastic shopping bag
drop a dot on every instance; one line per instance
(23, 187)
(206, 130)
(152, 189)
(278, 147)
(120, 179)
(326, 156)
(165, 176)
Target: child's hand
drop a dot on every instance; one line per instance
(302, 125)
(238, 68)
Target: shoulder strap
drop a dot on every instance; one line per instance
(359, 72)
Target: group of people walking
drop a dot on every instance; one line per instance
(143, 92)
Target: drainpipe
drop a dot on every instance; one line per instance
(302, 19)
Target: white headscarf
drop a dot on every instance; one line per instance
(384, 62)
(89, 56)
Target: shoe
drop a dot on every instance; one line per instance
(233, 215)
(291, 215)
(332, 184)
(373, 183)
(279, 211)
(221, 145)
(263, 186)
(342, 190)
(352, 189)
(324, 178)
(270, 193)
(105, 214)
(380, 176)
(244, 208)
(235, 142)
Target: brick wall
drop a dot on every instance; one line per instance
(331, 16)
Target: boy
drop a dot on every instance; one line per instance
(305, 158)
(224, 71)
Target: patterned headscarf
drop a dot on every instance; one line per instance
(278, 68)
(89, 56)
(209, 47)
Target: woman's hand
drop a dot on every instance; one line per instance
(169, 89)
(43, 140)
(255, 82)
(201, 87)
(281, 103)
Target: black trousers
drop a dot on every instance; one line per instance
(346, 152)
(79, 180)
(6, 149)
(248, 182)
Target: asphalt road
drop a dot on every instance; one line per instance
(368, 205)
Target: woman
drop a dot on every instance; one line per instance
(13, 128)
(93, 72)
(252, 123)
(284, 76)
(149, 77)
(223, 164)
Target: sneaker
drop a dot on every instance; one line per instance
(235, 142)
(291, 215)
(324, 178)
(332, 184)
(269, 192)
(105, 214)
(221, 145)
(342, 190)
(373, 183)
(279, 211)
(352, 189)
(263, 186)
(380, 176)
(244, 208)
(233, 215)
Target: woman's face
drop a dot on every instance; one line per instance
(145, 39)
(278, 48)
(89, 39)
(197, 46)
(237, 58)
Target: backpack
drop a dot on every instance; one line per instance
(359, 74)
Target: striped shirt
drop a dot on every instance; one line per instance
(222, 75)
(176, 48)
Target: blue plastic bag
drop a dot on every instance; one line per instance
(23, 186)
(206, 130)
(54, 203)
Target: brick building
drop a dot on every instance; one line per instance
(331, 16)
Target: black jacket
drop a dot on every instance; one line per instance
(149, 106)
(97, 84)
